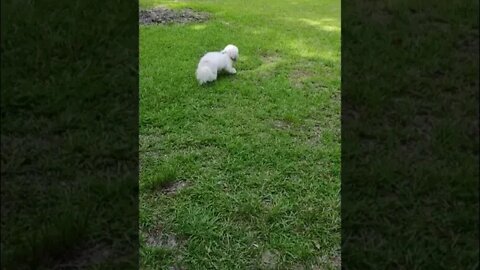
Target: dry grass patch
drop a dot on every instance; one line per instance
(303, 78)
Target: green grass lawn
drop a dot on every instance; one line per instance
(257, 154)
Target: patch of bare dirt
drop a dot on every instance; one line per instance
(281, 124)
(270, 58)
(269, 260)
(174, 187)
(316, 134)
(328, 262)
(302, 79)
(159, 239)
(162, 15)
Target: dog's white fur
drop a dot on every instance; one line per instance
(213, 62)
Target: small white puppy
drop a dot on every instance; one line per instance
(213, 62)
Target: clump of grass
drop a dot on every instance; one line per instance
(159, 177)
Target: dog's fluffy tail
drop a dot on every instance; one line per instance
(205, 74)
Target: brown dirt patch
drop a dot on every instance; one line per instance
(333, 261)
(316, 134)
(162, 15)
(303, 79)
(269, 260)
(174, 187)
(270, 58)
(281, 124)
(157, 238)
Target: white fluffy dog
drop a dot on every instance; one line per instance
(213, 62)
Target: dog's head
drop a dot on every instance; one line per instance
(231, 51)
